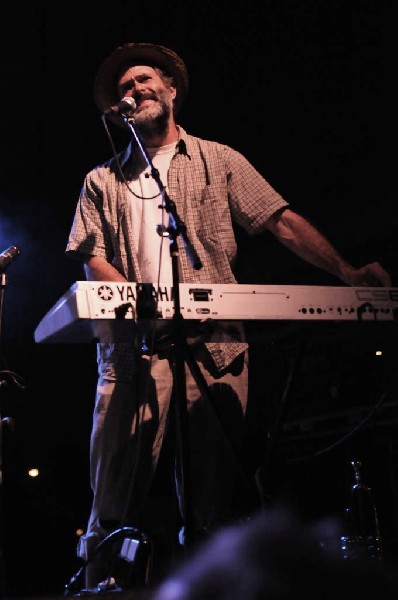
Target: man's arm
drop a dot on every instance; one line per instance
(99, 269)
(302, 238)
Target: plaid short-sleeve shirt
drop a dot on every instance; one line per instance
(212, 186)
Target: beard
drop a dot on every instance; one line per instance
(154, 119)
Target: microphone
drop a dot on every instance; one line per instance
(7, 256)
(126, 107)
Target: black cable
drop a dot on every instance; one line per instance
(354, 429)
(15, 378)
(348, 435)
(122, 531)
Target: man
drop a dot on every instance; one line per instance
(115, 233)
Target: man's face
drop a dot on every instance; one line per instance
(153, 97)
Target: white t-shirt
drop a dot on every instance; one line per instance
(147, 214)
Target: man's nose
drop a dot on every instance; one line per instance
(140, 88)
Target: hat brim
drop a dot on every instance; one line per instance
(105, 83)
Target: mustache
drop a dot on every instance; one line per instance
(147, 96)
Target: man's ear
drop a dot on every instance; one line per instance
(173, 91)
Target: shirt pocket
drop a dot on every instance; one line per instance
(212, 218)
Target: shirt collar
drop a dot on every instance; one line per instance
(182, 147)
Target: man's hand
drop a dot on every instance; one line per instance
(372, 275)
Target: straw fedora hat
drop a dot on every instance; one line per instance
(139, 53)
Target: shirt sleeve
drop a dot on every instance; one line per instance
(88, 236)
(252, 199)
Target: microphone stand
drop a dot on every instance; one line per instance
(176, 227)
(6, 258)
(3, 283)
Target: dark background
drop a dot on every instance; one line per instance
(306, 90)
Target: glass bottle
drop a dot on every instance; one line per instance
(361, 537)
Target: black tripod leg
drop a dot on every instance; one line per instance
(179, 400)
(275, 431)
